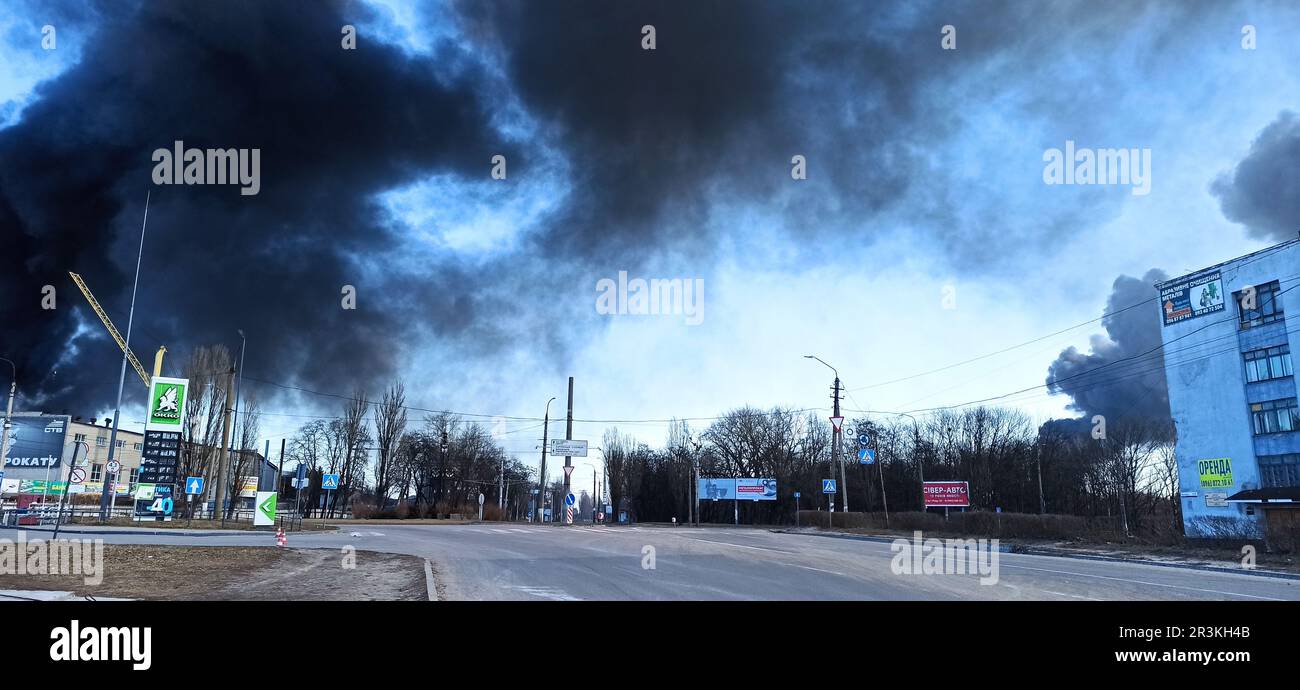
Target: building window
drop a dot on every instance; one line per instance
(1268, 363)
(135, 474)
(101, 442)
(119, 444)
(1266, 307)
(1280, 470)
(96, 473)
(79, 437)
(1275, 416)
(139, 446)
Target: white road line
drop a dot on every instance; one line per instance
(429, 585)
(1143, 582)
(547, 593)
(498, 531)
(726, 543)
(1073, 596)
(521, 531)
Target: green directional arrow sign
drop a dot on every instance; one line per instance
(266, 501)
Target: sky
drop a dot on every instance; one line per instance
(924, 234)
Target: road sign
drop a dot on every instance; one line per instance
(568, 500)
(568, 470)
(114, 466)
(828, 486)
(867, 456)
(193, 486)
(480, 499)
(569, 448)
(330, 482)
(78, 475)
(836, 422)
(797, 494)
(264, 516)
(863, 439)
(600, 516)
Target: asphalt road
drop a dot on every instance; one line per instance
(528, 562)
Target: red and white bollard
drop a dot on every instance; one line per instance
(280, 539)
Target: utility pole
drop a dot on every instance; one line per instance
(835, 430)
(501, 485)
(219, 504)
(568, 460)
(110, 478)
(1038, 459)
(9, 413)
(835, 451)
(541, 479)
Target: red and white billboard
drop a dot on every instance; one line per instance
(946, 494)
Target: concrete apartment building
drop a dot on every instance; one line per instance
(1228, 333)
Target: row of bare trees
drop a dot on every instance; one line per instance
(210, 370)
(1129, 475)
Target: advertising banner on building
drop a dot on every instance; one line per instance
(1191, 296)
(1216, 473)
(946, 494)
(166, 404)
(36, 441)
(756, 489)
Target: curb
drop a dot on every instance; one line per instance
(430, 585)
(1031, 551)
(151, 533)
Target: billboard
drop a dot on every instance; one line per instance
(745, 489)
(1191, 296)
(756, 489)
(166, 404)
(570, 449)
(36, 441)
(717, 489)
(1216, 473)
(946, 494)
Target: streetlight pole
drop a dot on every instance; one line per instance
(541, 479)
(9, 412)
(835, 445)
(110, 479)
(234, 437)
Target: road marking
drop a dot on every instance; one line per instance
(726, 543)
(429, 584)
(1074, 596)
(498, 531)
(547, 593)
(1143, 582)
(516, 529)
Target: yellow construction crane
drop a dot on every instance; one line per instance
(112, 330)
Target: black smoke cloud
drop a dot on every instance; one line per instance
(1132, 384)
(653, 142)
(334, 128)
(1263, 191)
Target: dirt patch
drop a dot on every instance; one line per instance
(224, 573)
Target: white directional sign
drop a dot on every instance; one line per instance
(330, 482)
(573, 449)
(194, 486)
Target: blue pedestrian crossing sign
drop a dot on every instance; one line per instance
(828, 486)
(568, 500)
(867, 456)
(797, 494)
(194, 486)
(330, 482)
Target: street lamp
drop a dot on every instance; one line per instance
(235, 440)
(835, 446)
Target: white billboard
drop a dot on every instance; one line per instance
(574, 449)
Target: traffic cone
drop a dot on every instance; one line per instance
(280, 539)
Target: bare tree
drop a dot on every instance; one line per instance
(390, 424)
